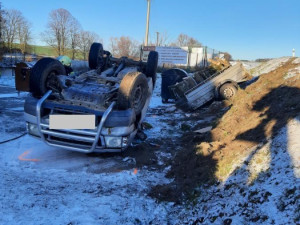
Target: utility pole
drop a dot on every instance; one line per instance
(157, 38)
(147, 22)
(0, 23)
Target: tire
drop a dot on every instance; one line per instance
(133, 92)
(42, 74)
(227, 91)
(152, 66)
(96, 56)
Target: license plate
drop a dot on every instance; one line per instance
(72, 122)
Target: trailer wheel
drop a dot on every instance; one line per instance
(96, 56)
(152, 66)
(133, 92)
(43, 75)
(227, 91)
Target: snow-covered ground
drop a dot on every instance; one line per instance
(247, 64)
(269, 66)
(45, 185)
(272, 198)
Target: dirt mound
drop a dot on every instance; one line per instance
(255, 115)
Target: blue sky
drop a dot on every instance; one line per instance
(248, 29)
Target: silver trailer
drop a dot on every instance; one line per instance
(222, 84)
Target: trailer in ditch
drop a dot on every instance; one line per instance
(194, 91)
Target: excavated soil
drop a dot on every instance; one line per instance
(254, 116)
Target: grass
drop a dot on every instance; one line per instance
(48, 51)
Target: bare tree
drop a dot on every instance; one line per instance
(193, 43)
(86, 40)
(185, 40)
(75, 29)
(182, 39)
(2, 23)
(13, 19)
(15, 29)
(113, 45)
(58, 31)
(161, 39)
(24, 35)
(227, 56)
(124, 46)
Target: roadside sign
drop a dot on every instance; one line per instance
(172, 55)
(167, 55)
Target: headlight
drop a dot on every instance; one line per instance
(113, 142)
(33, 129)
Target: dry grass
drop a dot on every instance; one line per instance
(253, 117)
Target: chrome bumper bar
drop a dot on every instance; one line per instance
(91, 137)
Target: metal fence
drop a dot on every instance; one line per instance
(199, 56)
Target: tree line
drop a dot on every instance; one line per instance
(65, 34)
(14, 28)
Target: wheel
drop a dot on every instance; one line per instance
(227, 91)
(133, 92)
(96, 56)
(43, 75)
(152, 66)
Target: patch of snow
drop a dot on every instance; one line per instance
(203, 130)
(293, 72)
(14, 95)
(296, 61)
(271, 198)
(156, 96)
(247, 64)
(269, 66)
(7, 78)
(60, 189)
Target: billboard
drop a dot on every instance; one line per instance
(167, 55)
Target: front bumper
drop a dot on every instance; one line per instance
(101, 139)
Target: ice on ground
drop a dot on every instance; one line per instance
(269, 66)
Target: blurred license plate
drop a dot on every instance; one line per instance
(72, 122)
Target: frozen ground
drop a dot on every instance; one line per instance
(269, 66)
(248, 65)
(273, 197)
(45, 185)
